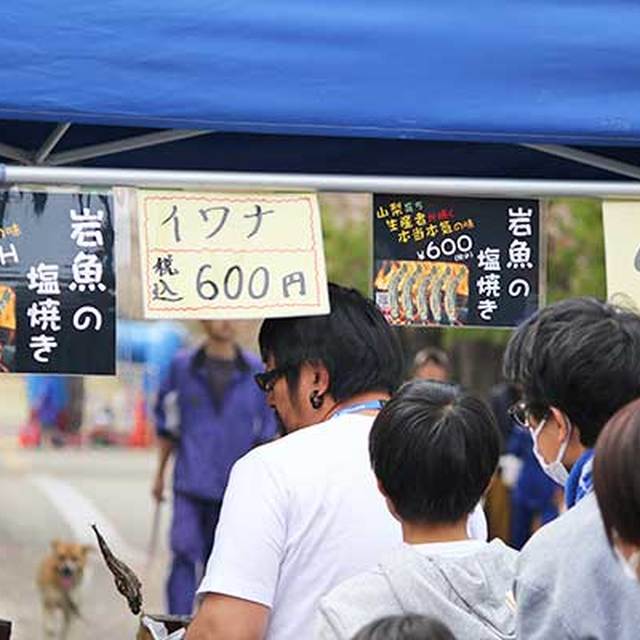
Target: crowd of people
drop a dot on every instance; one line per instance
(365, 520)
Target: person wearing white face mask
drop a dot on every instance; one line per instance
(578, 363)
(554, 469)
(617, 483)
(558, 449)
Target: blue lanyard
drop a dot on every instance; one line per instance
(372, 405)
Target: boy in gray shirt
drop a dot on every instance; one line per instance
(578, 362)
(433, 450)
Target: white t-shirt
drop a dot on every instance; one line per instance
(299, 516)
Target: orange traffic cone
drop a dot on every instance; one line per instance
(30, 433)
(140, 435)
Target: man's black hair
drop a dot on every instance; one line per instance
(354, 342)
(407, 627)
(581, 356)
(434, 449)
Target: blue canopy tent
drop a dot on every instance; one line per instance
(339, 95)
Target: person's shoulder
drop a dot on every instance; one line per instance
(357, 592)
(280, 453)
(180, 365)
(499, 548)
(280, 463)
(567, 527)
(354, 603)
(502, 559)
(184, 356)
(308, 448)
(291, 447)
(557, 571)
(564, 536)
(336, 436)
(252, 361)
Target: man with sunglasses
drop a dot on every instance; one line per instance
(208, 413)
(578, 362)
(304, 513)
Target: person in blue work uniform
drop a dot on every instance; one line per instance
(50, 402)
(209, 413)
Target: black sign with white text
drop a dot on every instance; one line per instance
(442, 261)
(57, 283)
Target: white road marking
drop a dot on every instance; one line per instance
(80, 513)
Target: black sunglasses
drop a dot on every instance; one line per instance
(267, 379)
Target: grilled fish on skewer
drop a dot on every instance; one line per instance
(423, 294)
(407, 297)
(450, 293)
(127, 582)
(394, 293)
(435, 297)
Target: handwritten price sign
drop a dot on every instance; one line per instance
(223, 255)
(621, 223)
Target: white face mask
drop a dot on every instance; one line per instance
(555, 470)
(629, 565)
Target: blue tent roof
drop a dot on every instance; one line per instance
(340, 86)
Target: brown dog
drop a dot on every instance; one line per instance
(59, 577)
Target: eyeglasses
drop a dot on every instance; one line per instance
(267, 379)
(519, 413)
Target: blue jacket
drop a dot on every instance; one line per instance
(580, 481)
(209, 439)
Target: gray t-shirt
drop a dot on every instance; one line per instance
(569, 585)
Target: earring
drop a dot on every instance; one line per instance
(316, 399)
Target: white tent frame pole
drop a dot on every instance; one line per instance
(126, 144)
(15, 153)
(49, 144)
(590, 159)
(82, 176)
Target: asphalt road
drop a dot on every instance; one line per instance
(57, 493)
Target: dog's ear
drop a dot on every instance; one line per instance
(55, 544)
(87, 548)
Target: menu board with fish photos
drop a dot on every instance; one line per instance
(442, 261)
